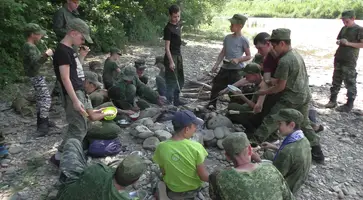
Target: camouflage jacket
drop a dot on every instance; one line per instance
(142, 90)
(60, 20)
(32, 59)
(347, 53)
(265, 182)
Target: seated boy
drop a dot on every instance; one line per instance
(140, 68)
(182, 160)
(293, 158)
(97, 181)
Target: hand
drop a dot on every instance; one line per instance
(78, 106)
(172, 66)
(161, 100)
(235, 61)
(267, 145)
(83, 50)
(215, 69)
(49, 52)
(344, 42)
(255, 157)
(224, 91)
(135, 109)
(338, 42)
(257, 108)
(128, 112)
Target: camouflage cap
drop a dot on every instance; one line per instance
(128, 73)
(131, 168)
(140, 64)
(251, 68)
(289, 114)
(348, 14)
(280, 34)
(79, 25)
(238, 19)
(114, 50)
(34, 28)
(94, 65)
(92, 78)
(235, 143)
(159, 59)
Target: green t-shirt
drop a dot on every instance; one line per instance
(265, 182)
(95, 183)
(179, 159)
(291, 67)
(294, 162)
(109, 71)
(347, 53)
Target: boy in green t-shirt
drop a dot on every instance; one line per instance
(182, 160)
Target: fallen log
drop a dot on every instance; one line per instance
(205, 86)
(191, 90)
(201, 96)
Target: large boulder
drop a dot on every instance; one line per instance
(208, 135)
(219, 121)
(162, 135)
(221, 132)
(150, 113)
(157, 126)
(142, 132)
(151, 143)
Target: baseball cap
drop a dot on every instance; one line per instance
(140, 64)
(92, 78)
(251, 68)
(235, 143)
(129, 73)
(185, 118)
(34, 28)
(131, 168)
(280, 34)
(115, 50)
(348, 14)
(238, 19)
(288, 114)
(79, 25)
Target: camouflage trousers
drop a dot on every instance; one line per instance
(172, 78)
(73, 161)
(42, 95)
(189, 195)
(77, 123)
(161, 85)
(269, 125)
(344, 71)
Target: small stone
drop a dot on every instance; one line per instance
(346, 140)
(221, 132)
(15, 149)
(141, 132)
(148, 162)
(211, 143)
(340, 195)
(208, 135)
(5, 162)
(163, 135)
(147, 122)
(218, 121)
(10, 170)
(150, 113)
(151, 143)
(219, 144)
(335, 189)
(157, 126)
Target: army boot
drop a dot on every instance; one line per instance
(317, 154)
(332, 102)
(43, 127)
(178, 101)
(346, 107)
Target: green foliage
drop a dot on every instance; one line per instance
(113, 23)
(328, 9)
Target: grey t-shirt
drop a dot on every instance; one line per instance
(234, 48)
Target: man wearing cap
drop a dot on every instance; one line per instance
(293, 157)
(160, 79)
(293, 82)
(111, 69)
(182, 160)
(246, 180)
(350, 40)
(69, 72)
(140, 68)
(235, 45)
(97, 181)
(33, 60)
(128, 87)
(94, 89)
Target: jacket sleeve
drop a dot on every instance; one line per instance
(35, 57)
(283, 162)
(59, 24)
(146, 92)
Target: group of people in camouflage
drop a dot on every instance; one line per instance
(280, 104)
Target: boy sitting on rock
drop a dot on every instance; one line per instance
(182, 160)
(293, 157)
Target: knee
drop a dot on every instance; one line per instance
(73, 142)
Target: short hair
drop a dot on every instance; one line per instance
(177, 127)
(261, 38)
(173, 9)
(297, 126)
(288, 42)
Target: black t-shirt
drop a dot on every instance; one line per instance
(65, 55)
(173, 34)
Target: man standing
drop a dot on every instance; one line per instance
(350, 39)
(293, 83)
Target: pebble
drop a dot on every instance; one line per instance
(340, 195)
(15, 149)
(219, 144)
(208, 135)
(151, 143)
(163, 135)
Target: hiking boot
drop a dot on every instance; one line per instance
(317, 154)
(3, 151)
(54, 161)
(332, 102)
(43, 126)
(346, 107)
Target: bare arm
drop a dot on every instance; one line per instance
(241, 82)
(355, 44)
(247, 56)
(168, 53)
(261, 98)
(220, 58)
(280, 86)
(202, 173)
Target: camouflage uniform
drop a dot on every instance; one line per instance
(33, 60)
(99, 96)
(160, 79)
(293, 159)
(110, 70)
(140, 67)
(264, 182)
(95, 182)
(130, 87)
(345, 61)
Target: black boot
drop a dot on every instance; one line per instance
(332, 102)
(38, 119)
(178, 101)
(317, 154)
(346, 107)
(43, 127)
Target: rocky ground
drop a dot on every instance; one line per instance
(26, 174)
